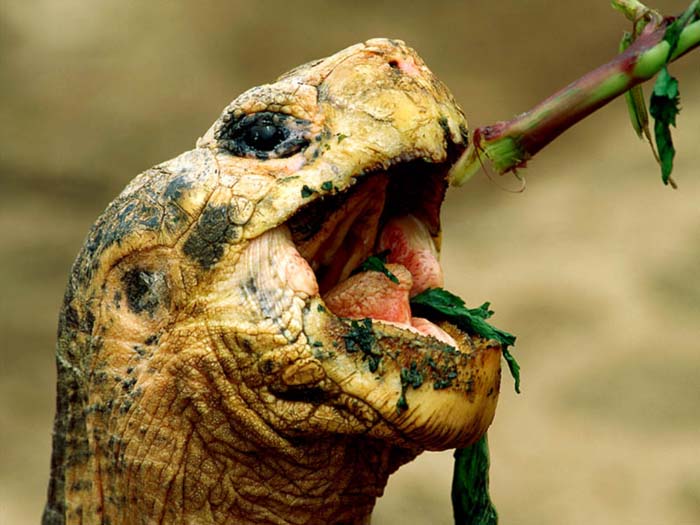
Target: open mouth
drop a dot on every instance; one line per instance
(390, 216)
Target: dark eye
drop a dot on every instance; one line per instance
(265, 135)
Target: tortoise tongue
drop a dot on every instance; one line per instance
(409, 243)
(413, 262)
(373, 294)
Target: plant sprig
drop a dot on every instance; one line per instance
(507, 146)
(664, 104)
(471, 320)
(377, 263)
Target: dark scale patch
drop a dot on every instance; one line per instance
(72, 320)
(117, 299)
(149, 203)
(444, 124)
(465, 133)
(211, 234)
(267, 367)
(88, 322)
(469, 385)
(128, 384)
(81, 484)
(98, 378)
(152, 340)
(145, 290)
(175, 216)
(125, 219)
(250, 287)
(176, 187)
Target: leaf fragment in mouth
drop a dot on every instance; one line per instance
(440, 302)
(377, 263)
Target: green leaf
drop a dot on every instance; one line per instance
(513, 367)
(637, 109)
(376, 263)
(471, 503)
(471, 320)
(634, 98)
(663, 106)
(665, 99)
(360, 338)
(306, 192)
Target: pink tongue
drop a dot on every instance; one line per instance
(413, 261)
(373, 294)
(410, 244)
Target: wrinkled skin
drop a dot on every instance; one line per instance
(200, 377)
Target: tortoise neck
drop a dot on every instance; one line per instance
(334, 482)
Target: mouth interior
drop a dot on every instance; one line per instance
(393, 213)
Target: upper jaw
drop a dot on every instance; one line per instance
(370, 108)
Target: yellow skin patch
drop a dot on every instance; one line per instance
(201, 379)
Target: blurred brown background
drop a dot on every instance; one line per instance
(596, 267)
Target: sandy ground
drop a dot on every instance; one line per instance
(596, 266)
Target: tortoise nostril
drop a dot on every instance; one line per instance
(394, 64)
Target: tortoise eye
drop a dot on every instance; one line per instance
(265, 135)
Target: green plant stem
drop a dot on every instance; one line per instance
(508, 145)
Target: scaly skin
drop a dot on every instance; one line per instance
(200, 378)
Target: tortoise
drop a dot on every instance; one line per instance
(219, 358)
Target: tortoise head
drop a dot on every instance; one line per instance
(203, 375)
